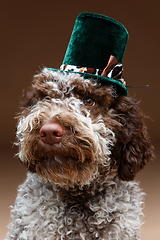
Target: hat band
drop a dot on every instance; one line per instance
(73, 68)
(113, 71)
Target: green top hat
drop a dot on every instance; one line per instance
(96, 50)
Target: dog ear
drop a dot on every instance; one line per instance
(133, 148)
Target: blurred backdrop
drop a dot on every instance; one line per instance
(36, 33)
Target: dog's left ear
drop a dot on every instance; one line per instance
(133, 148)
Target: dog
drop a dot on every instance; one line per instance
(83, 144)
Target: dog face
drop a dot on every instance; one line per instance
(72, 130)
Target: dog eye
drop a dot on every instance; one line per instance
(88, 102)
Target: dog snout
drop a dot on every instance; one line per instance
(51, 133)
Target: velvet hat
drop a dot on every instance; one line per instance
(96, 49)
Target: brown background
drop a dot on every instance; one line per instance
(34, 34)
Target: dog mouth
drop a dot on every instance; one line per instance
(68, 149)
(66, 163)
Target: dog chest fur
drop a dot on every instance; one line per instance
(42, 212)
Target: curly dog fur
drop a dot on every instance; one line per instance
(80, 187)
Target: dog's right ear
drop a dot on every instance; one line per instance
(133, 148)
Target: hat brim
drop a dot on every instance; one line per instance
(118, 86)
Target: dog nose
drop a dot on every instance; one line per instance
(51, 133)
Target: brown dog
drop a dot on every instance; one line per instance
(83, 145)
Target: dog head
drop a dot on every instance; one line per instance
(72, 131)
